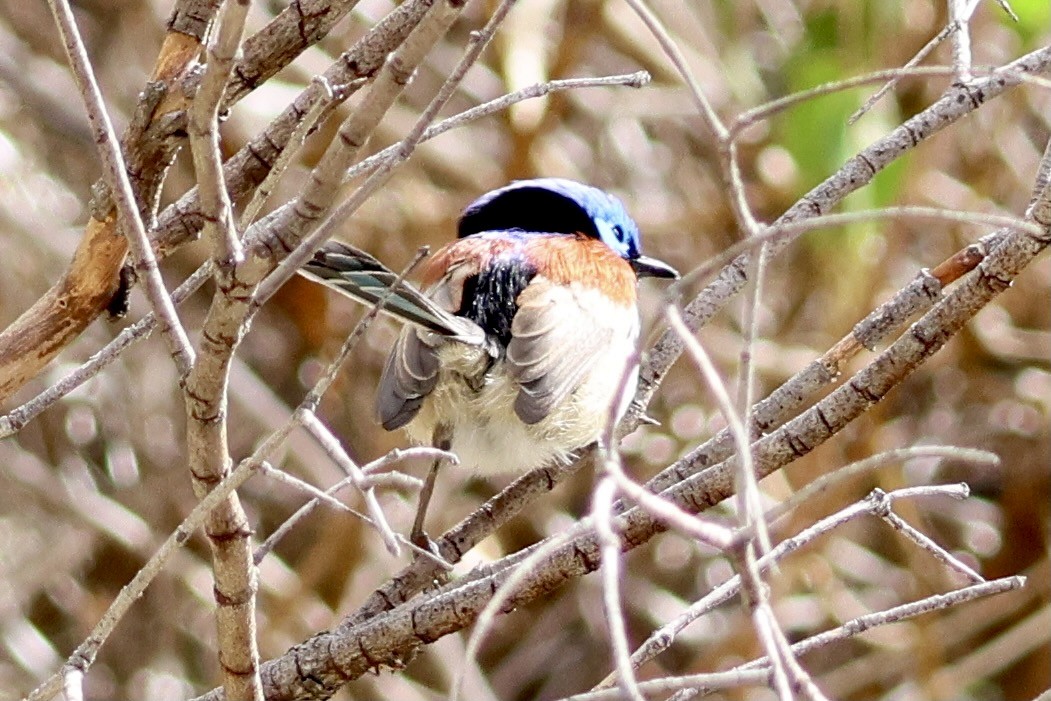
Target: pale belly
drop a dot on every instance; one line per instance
(489, 438)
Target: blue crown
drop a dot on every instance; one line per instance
(554, 206)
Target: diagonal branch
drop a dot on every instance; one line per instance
(959, 101)
(182, 221)
(322, 664)
(117, 178)
(88, 285)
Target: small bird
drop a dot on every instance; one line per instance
(522, 340)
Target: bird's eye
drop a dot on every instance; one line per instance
(618, 231)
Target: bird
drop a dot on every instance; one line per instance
(520, 345)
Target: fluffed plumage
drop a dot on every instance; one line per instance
(524, 330)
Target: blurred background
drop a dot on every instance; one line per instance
(92, 486)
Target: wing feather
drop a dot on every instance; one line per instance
(556, 336)
(408, 377)
(411, 371)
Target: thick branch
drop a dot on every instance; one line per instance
(87, 286)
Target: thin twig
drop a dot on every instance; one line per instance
(717, 387)
(1006, 7)
(765, 623)
(115, 173)
(530, 92)
(659, 688)
(291, 480)
(203, 128)
(295, 140)
(750, 504)
(782, 231)
(925, 542)
(827, 480)
(405, 481)
(937, 602)
(671, 49)
(909, 65)
(609, 543)
(704, 683)
(766, 110)
(331, 446)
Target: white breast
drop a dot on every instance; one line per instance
(477, 402)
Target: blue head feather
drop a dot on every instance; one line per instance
(554, 206)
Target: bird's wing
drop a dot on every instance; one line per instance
(408, 377)
(558, 334)
(411, 372)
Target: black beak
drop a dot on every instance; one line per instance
(651, 267)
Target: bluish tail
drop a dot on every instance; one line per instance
(361, 277)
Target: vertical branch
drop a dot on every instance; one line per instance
(225, 325)
(227, 525)
(960, 12)
(219, 227)
(117, 179)
(749, 500)
(750, 504)
(609, 541)
(227, 529)
(206, 388)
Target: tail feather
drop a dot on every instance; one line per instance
(363, 278)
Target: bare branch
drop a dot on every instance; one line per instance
(673, 52)
(960, 12)
(295, 140)
(88, 285)
(896, 614)
(857, 172)
(609, 541)
(204, 133)
(85, 654)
